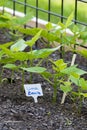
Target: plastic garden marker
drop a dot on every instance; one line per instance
(33, 90)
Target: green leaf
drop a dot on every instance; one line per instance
(83, 52)
(72, 69)
(6, 50)
(10, 22)
(6, 44)
(1, 54)
(33, 31)
(79, 81)
(75, 29)
(18, 46)
(60, 65)
(49, 26)
(21, 56)
(76, 93)
(83, 94)
(43, 53)
(83, 35)
(4, 25)
(75, 78)
(34, 69)
(10, 66)
(21, 20)
(68, 22)
(7, 60)
(66, 88)
(46, 74)
(34, 39)
(62, 26)
(75, 75)
(5, 17)
(83, 83)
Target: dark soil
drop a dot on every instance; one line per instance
(18, 112)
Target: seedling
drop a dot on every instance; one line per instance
(81, 91)
(16, 53)
(12, 67)
(60, 79)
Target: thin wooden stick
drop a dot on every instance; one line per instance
(65, 94)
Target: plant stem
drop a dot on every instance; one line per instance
(23, 64)
(80, 104)
(65, 94)
(80, 97)
(31, 64)
(12, 76)
(55, 89)
(22, 80)
(39, 63)
(54, 94)
(1, 75)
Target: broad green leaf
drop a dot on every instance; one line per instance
(72, 69)
(75, 28)
(74, 79)
(5, 20)
(34, 39)
(75, 75)
(6, 44)
(16, 55)
(5, 25)
(18, 46)
(34, 69)
(83, 94)
(6, 50)
(33, 31)
(65, 89)
(10, 66)
(5, 17)
(79, 81)
(60, 64)
(67, 83)
(12, 22)
(83, 83)
(1, 54)
(83, 35)
(62, 26)
(21, 20)
(21, 56)
(46, 74)
(68, 22)
(43, 53)
(7, 60)
(76, 93)
(49, 26)
(83, 52)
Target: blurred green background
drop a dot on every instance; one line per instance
(69, 6)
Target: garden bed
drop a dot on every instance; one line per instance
(18, 112)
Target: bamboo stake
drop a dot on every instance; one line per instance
(65, 94)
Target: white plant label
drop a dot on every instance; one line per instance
(33, 90)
